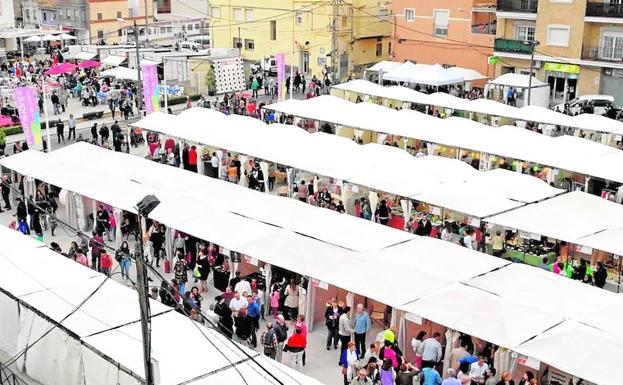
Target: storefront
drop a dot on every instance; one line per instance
(611, 83)
(563, 81)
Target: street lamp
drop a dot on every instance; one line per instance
(533, 44)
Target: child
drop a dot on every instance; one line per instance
(274, 300)
(106, 262)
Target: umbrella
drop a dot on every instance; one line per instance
(33, 39)
(65, 36)
(89, 64)
(50, 38)
(63, 68)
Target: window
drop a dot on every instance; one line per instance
(190, 27)
(82, 15)
(249, 14)
(344, 21)
(389, 48)
(119, 15)
(237, 14)
(216, 12)
(441, 22)
(197, 26)
(249, 44)
(379, 46)
(558, 35)
(100, 34)
(236, 43)
(384, 14)
(76, 14)
(524, 32)
(163, 30)
(68, 13)
(410, 14)
(273, 30)
(169, 29)
(28, 14)
(300, 17)
(99, 16)
(611, 47)
(45, 16)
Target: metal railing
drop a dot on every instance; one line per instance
(529, 6)
(602, 9)
(603, 53)
(514, 46)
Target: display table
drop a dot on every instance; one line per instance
(527, 258)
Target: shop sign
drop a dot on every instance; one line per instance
(583, 249)
(535, 236)
(320, 284)
(414, 318)
(529, 362)
(435, 211)
(562, 67)
(474, 222)
(251, 260)
(525, 235)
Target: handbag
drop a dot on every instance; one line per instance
(196, 272)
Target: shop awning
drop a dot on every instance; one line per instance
(123, 73)
(113, 60)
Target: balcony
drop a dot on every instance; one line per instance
(599, 9)
(525, 6)
(612, 54)
(511, 46)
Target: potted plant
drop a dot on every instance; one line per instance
(210, 81)
(2, 141)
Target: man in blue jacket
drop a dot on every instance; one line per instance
(362, 326)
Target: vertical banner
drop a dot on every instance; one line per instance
(27, 106)
(151, 88)
(281, 74)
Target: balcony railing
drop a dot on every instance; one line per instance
(600, 9)
(514, 46)
(603, 53)
(528, 6)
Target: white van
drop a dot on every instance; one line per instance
(599, 103)
(189, 46)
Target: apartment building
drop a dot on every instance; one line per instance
(104, 15)
(264, 29)
(580, 48)
(182, 20)
(449, 32)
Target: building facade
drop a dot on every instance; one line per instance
(580, 48)
(267, 28)
(449, 32)
(72, 18)
(184, 20)
(104, 16)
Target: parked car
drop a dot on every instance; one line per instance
(594, 104)
(266, 65)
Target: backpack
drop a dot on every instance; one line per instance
(281, 333)
(268, 338)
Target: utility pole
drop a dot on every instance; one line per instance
(532, 44)
(146, 23)
(334, 43)
(139, 85)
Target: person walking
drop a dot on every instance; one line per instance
(71, 124)
(56, 103)
(254, 87)
(6, 192)
(291, 302)
(269, 341)
(225, 321)
(94, 132)
(180, 271)
(96, 243)
(362, 327)
(105, 262)
(124, 259)
(348, 361)
(253, 310)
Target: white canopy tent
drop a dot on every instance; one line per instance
(34, 39)
(50, 37)
(496, 318)
(432, 75)
(113, 60)
(384, 65)
(571, 217)
(506, 141)
(84, 55)
(468, 74)
(517, 81)
(123, 73)
(104, 345)
(589, 122)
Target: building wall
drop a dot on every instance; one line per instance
(414, 40)
(588, 82)
(308, 29)
(561, 13)
(7, 15)
(107, 23)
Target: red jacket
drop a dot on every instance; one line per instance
(106, 261)
(297, 341)
(192, 157)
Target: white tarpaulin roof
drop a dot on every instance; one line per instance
(385, 66)
(468, 74)
(588, 157)
(569, 217)
(434, 75)
(84, 55)
(107, 323)
(518, 81)
(113, 60)
(121, 73)
(589, 122)
(372, 165)
(498, 318)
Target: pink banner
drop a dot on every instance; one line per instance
(27, 107)
(151, 88)
(281, 74)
